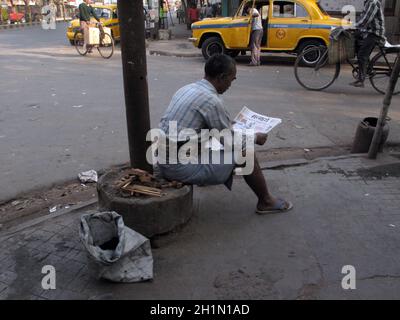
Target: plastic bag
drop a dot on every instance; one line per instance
(115, 252)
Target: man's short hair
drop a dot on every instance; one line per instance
(219, 64)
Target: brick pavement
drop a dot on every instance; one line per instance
(341, 216)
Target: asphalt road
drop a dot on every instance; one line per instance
(61, 113)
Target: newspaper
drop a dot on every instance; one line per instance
(247, 119)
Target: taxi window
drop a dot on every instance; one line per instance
(283, 9)
(264, 12)
(243, 12)
(261, 7)
(301, 12)
(287, 9)
(103, 13)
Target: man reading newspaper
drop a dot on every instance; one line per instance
(197, 107)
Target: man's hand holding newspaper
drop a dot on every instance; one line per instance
(249, 120)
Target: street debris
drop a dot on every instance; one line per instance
(115, 252)
(136, 182)
(392, 225)
(367, 194)
(79, 106)
(307, 150)
(88, 176)
(53, 209)
(40, 202)
(278, 135)
(298, 127)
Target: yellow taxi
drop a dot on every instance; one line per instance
(290, 26)
(107, 14)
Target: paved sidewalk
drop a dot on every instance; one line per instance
(346, 213)
(174, 47)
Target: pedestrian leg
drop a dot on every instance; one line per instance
(256, 181)
(253, 49)
(364, 52)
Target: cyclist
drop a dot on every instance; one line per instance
(371, 28)
(85, 12)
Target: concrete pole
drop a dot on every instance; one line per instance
(134, 66)
(373, 149)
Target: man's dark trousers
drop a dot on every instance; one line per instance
(366, 46)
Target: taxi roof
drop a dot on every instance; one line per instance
(105, 6)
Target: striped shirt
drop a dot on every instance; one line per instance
(372, 18)
(196, 106)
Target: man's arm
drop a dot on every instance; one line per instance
(94, 14)
(368, 15)
(81, 11)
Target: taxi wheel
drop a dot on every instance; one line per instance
(211, 46)
(306, 45)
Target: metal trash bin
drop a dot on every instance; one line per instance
(364, 134)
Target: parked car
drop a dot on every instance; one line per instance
(290, 26)
(108, 16)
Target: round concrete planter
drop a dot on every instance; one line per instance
(150, 216)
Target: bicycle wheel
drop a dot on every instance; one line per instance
(382, 66)
(106, 46)
(318, 73)
(79, 43)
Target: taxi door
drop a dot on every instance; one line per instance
(288, 21)
(240, 28)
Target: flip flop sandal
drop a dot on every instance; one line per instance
(280, 206)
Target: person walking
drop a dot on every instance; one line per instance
(193, 16)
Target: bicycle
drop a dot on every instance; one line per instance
(318, 73)
(105, 44)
